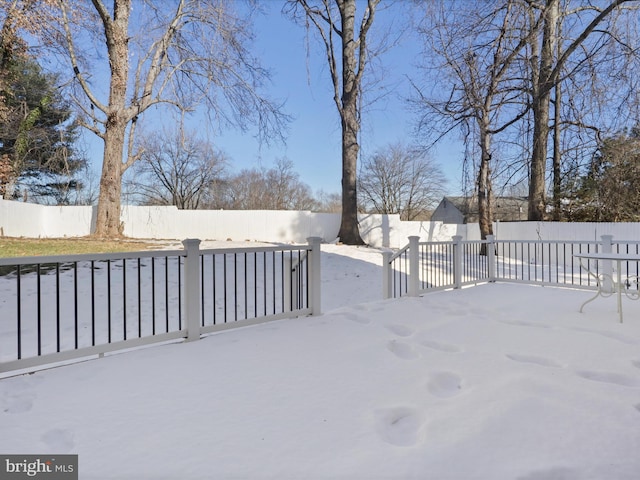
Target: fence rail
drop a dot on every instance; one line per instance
(60, 308)
(424, 266)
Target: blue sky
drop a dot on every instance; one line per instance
(302, 81)
(313, 141)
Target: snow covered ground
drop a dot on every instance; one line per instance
(499, 381)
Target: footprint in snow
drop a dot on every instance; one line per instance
(356, 318)
(402, 350)
(440, 346)
(400, 330)
(637, 407)
(17, 402)
(58, 440)
(609, 377)
(431, 307)
(542, 361)
(635, 363)
(399, 426)
(370, 307)
(444, 384)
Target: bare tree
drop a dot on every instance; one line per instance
(177, 168)
(479, 61)
(184, 55)
(509, 61)
(329, 202)
(548, 62)
(276, 188)
(345, 43)
(400, 180)
(593, 100)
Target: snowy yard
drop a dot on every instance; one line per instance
(499, 381)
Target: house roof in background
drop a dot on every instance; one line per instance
(508, 208)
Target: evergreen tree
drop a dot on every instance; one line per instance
(37, 135)
(610, 189)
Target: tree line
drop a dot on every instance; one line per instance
(537, 88)
(541, 92)
(178, 168)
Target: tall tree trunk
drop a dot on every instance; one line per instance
(108, 224)
(349, 232)
(540, 106)
(485, 210)
(557, 161)
(537, 199)
(484, 187)
(117, 37)
(557, 134)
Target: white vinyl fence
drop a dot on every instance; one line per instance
(18, 219)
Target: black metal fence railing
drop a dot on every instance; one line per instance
(252, 284)
(397, 280)
(66, 307)
(544, 262)
(53, 306)
(441, 265)
(436, 261)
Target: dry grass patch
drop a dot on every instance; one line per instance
(28, 247)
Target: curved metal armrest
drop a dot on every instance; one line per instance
(632, 293)
(600, 279)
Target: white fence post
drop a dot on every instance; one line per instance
(315, 277)
(491, 257)
(192, 288)
(607, 265)
(457, 261)
(387, 272)
(414, 266)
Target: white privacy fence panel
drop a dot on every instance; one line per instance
(18, 219)
(580, 231)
